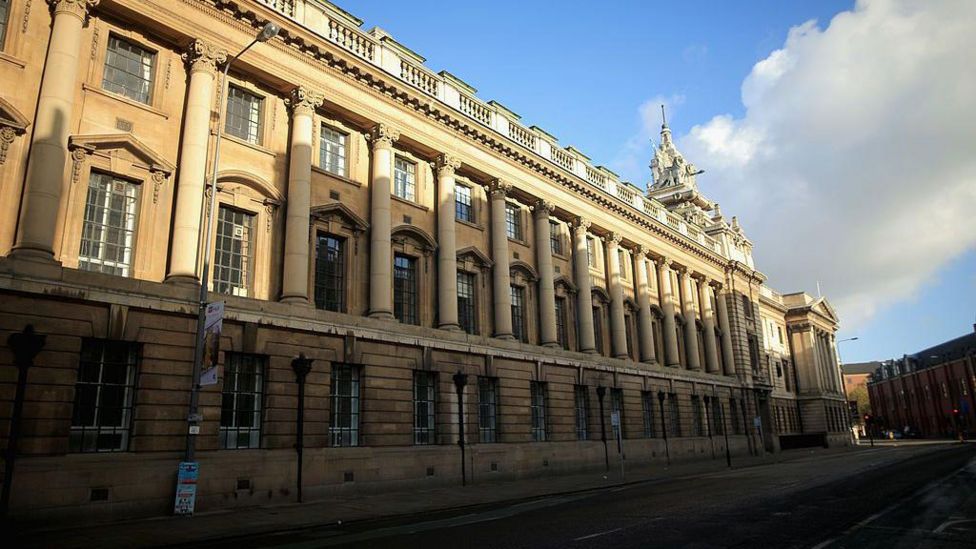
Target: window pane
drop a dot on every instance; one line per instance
(330, 273)
(538, 407)
(232, 252)
(519, 329)
(513, 221)
(405, 289)
(128, 69)
(344, 428)
(617, 406)
(108, 230)
(466, 302)
(243, 117)
(4, 16)
(423, 401)
(241, 401)
(404, 179)
(561, 333)
(582, 398)
(332, 151)
(462, 203)
(103, 396)
(555, 239)
(487, 409)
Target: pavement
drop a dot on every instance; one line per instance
(429, 515)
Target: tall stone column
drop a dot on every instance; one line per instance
(501, 277)
(618, 325)
(688, 311)
(671, 356)
(584, 297)
(728, 357)
(447, 309)
(294, 284)
(547, 289)
(645, 322)
(380, 220)
(203, 58)
(52, 125)
(712, 364)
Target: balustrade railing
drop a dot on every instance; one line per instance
(351, 40)
(596, 178)
(418, 77)
(562, 158)
(521, 135)
(286, 7)
(475, 109)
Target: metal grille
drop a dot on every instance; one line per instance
(462, 203)
(4, 16)
(232, 253)
(242, 401)
(344, 429)
(244, 115)
(332, 151)
(109, 227)
(518, 314)
(716, 417)
(488, 409)
(102, 411)
(540, 427)
(423, 407)
(647, 407)
(405, 289)
(734, 416)
(555, 240)
(582, 398)
(674, 416)
(128, 70)
(330, 274)
(697, 424)
(617, 405)
(466, 302)
(404, 179)
(561, 334)
(513, 221)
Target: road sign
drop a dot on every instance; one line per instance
(186, 488)
(615, 419)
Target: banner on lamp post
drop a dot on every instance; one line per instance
(212, 326)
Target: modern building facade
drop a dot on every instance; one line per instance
(928, 393)
(379, 219)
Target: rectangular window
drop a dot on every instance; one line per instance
(4, 17)
(242, 399)
(233, 254)
(108, 231)
(629, 332)
(716, 417)
(674, 415)
(405, 179)
(582, 397)
(405, 289)
(598, 329)
(332, 151)
(647, 407)
(423, 407)
(513, 221)
(734, 417)
(561, 332)
(747, 306)
(462, 203)
(244, 115)
(128, 69)
(488, 409)
(590, 255)
(466, 302)
(555, 238)
(330, 273)
(617, 407)
(540, 426)
(102, 410)
(697, 424)
(753, 352)
(344, 427)
(519, 328)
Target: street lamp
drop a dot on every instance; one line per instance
(460, 380)
(269, 31)
(601, 392)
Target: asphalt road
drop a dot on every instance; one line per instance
(874, 498)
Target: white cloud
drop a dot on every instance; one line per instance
(632, 161)
(855, 161)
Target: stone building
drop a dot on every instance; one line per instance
(380, 219)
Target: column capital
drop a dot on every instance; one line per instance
(665, 262)
(383, 135)
(304, 101)
(716, 285)
(204, 56)
(78, 8)
(643, 251)
(447, 164)
(613, 239)
(499, 188)
(542, 208)
(581, 224)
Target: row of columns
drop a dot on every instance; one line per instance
(48, 157)
(826, 360)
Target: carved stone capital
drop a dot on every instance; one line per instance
(666, 262)
(158, 178)
(78, 8)
(304, 101)
(499, 189)
(644, 251)
(716, 285)
(7, 134)
(613, 239)
(542, 209)
(446, 165)
(581, 224)
(204, 56)
(383, 135)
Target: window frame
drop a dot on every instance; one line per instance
(697, 417)
(77, 442)
(344, 436)
(255, 432)
(343, 147)
(647, 412)
(467, 314)
(150, 81)
(520, 327)
(562, 315)
(555, 238)
(581, 400)
(246, 290)
(259, 129)
(134, 205)
(337, 273)
(487, 410)
(514, 228)
(464, 210)
(408, 181)
(617, 405)
(406, 311)
(426, 434)
(5, 23)
(538, 407)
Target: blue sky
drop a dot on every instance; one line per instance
(582, 71)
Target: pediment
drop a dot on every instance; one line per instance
(139, 151)
(524, 268)
(563, 280)
(476, 255)
(10, 116)
(823, 307)
(416, 233)
(600, 293)
(340, 210)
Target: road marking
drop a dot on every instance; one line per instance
(598, 534)
(949, 523)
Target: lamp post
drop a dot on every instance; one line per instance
(843, 381)
(601, 392)
(301, 366)
(25, 346)
(269, 31)
(460, 380)
(664, 427)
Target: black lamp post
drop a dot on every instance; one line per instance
(25, 346)
(725, 432)
(302, 366)
(460, 380)
(664, 427)
(601, 392)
